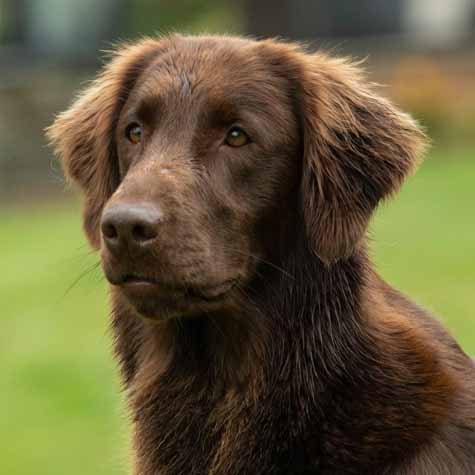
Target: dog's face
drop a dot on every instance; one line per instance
(197, 155)
(204, 159)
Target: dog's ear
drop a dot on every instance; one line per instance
(357, 150)
(83, 135)
(357, 147)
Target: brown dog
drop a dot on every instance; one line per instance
(229, 184)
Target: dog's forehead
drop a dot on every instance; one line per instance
(215, 68)
(212, 82)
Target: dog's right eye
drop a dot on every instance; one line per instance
(133, 132)
(236, 137)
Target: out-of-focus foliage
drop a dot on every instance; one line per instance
(440, 91)
(192, 16)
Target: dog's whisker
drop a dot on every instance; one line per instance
(260, 259)
(83, 274)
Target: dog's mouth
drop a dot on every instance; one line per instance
(138, 285)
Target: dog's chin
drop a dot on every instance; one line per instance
(163, 302)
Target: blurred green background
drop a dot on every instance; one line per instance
(61, 407)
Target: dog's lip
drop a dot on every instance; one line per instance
(140, 283)
(131, 279)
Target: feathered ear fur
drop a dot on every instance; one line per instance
(357, 147)
(83, 136)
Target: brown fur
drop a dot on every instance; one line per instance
(310, 363)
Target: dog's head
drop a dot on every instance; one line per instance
(197, 155)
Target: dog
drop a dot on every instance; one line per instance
(228, 186)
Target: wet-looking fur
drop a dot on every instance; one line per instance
(262, 341)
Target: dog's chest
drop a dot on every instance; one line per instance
(201, 434)
(182, 430)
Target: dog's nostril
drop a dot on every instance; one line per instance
(109, 231)
(143, 232)
(132, 226)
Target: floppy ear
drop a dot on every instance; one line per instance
(83, 136)
(357, 149)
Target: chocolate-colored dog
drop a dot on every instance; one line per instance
(229, 184)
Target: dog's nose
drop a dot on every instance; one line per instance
(130, 226)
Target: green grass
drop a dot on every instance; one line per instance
(62, 412)
(424, 241)
(59, 397)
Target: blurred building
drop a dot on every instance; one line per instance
(407, 24)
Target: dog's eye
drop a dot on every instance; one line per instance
(133, 132)
(236, 137)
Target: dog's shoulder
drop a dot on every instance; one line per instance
(449, 391)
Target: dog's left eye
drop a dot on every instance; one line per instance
(133, 132)
(236, 137)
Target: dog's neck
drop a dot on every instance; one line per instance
(315, 316)
(307, 356)
(304, 313)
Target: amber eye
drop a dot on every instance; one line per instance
(133, 132)
(236, 137)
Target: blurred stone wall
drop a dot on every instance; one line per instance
(47, 47)
(29, 100)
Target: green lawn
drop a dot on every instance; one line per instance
(424, 241)
(62, 412)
